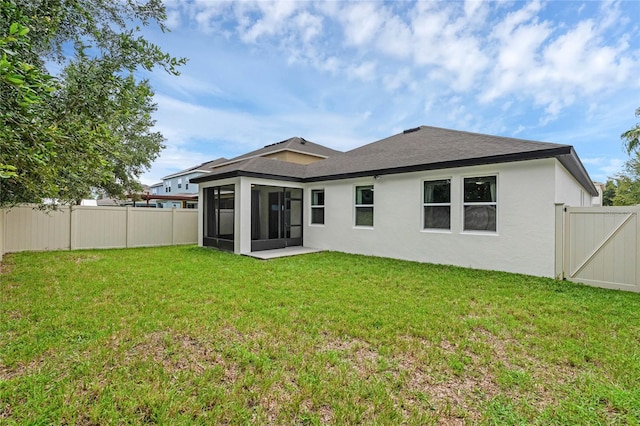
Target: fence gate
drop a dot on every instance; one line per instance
(602, 246)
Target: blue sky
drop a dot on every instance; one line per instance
(343, 74)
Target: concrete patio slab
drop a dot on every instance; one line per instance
(288, 251)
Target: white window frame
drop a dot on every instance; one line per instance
(179, 183)
(425, 204)
(480, 203)
(357, 206)
(318, 207)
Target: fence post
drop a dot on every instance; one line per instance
(173, 226)
(128, 227)
(638, 246)
(73, 232)
(559, 242)
(3, 234)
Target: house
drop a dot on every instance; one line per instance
(597, 201)
(427, 194)
(176, 190)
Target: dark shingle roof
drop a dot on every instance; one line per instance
(427, 148)
(422, 148)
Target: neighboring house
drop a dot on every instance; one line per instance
(176, 190)
(597, 200)
(427, 194)
(156, 189)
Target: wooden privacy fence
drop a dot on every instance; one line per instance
(602, 246)
(85, 227)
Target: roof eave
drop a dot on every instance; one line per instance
(572, 163)
(238, 173)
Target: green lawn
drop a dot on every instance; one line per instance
(187, 335)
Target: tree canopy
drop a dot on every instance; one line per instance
(624, 188)
(90, 127)
(632, 136)
(627, 184)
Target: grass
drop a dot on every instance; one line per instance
(186, 335)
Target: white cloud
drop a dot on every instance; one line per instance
(365, 71)
(445, 41)
(553, 66)
(273, 18)
(398, 80)
(395, 38)
(310, 26)
(603, 168)
(361, 21)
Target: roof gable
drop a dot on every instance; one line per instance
(294, 144)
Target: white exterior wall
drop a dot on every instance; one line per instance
(525, 237)
(569, 191)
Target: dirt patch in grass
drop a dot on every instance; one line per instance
(86, 258)
(459, 391)
(176, 352)
(358, 353)
(22, 369)
(6, 266)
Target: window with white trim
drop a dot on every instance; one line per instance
(480, 203)
(437, 204)
(317, 206)
(364, 205)
(179, 183)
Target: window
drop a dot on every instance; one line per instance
(317, 206)
(437, 204)
(186, 186)
(364, 205)
(480, 203)
(179, 183)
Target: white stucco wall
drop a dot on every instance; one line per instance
(525, 237)
(569, 191)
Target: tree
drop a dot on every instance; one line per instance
(609, 192)
(90, 127)
(632, 136)
(628, 184)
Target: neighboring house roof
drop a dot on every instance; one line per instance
(109, 202)
(204, 168)
(422, 148)
(175, 197)
(294, 144)
(156, 185)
